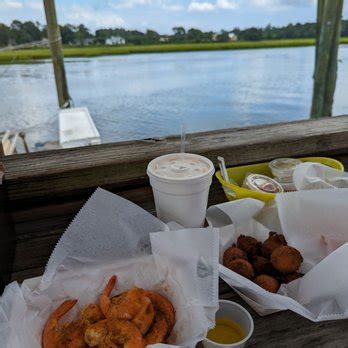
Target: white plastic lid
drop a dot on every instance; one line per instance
(180, 167)
(262, 183)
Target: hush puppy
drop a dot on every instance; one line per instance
(274, 241)
(242, 267)
(248, 244)
(263, 266)
(286, 259)
(267, 282)
(287, 278)
(233, 253)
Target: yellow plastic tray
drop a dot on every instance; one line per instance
(238, 174)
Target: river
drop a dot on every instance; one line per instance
(150, 95)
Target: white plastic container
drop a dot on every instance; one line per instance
(180, 184)
(262, 183)
(283, 168)
(237, 313)
(76, 128)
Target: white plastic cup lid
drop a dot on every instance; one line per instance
(180, 167)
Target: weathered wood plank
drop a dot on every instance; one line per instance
(287, 329)
(39, 228)
(7, 235)
(114, 166)
(27, 274)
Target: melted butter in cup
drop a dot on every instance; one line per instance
(234, 327)
(226, 331)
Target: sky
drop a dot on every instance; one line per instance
(163, 15)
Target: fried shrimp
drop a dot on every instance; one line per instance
(144, 318)
(129, 320)
(125, 333)
(158, 331)
(90, 314)
(104, 299)
(52, 334)
(73, 336)
(124, 306)
(163, 305)
(112, 333)
(96, 333)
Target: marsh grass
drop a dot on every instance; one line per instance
(29, 55)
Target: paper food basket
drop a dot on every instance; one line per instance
(111, 235)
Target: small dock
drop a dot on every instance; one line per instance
(41, 192)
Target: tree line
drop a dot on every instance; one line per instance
(23, 32)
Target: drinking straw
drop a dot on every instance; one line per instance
(226, 177)
(223, 169)
(183, 137)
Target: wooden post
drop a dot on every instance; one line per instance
(55, 40)
(329, 15)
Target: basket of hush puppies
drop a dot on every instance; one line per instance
(291, 254)
(268, 264)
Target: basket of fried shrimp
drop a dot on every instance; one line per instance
(287, 254)
(118, 277)
(134, 318)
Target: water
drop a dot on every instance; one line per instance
(150, 95)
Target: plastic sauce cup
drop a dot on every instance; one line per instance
(283, 168)
(235, 312)
(180, 184)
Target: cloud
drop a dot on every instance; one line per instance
(36, 5)
(134, 3)
(281, 4)
(163, 4)
(201, 6)
(92, 18)
(227, 4)
(173, 7)
(10, 4)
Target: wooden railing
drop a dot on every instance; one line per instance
(42, 191)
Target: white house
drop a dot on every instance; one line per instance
(89, 41)
(115, 40)
(215, 37)
(164, 38)
(232, 37)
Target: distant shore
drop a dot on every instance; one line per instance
(31, 55)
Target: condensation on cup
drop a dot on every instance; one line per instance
(180, 184)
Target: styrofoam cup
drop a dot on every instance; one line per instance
(237, 313)
(180, 184)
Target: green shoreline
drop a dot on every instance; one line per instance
(31, 55)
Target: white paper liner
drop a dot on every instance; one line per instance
(110, 235)
(314, 176)
(315, 223)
